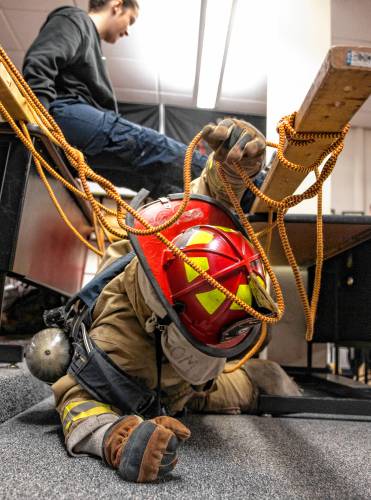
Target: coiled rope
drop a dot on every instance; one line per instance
(102, 226)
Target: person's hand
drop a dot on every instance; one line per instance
(236, 141)
(144, 450)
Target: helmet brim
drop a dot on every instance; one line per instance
(200, 210)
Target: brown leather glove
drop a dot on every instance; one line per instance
(143, 450)
(236, 141)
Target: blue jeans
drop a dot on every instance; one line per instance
(126, 153)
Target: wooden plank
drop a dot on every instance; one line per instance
(342, 85)
(12, 99)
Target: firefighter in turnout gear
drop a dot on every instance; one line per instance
(161, 324)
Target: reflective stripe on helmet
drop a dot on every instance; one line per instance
(211, 300)
(200, 238)
(226, 229)
(191, 274)
(243, 293)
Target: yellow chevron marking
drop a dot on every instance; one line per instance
(243, 293)
(226, 229)
(190, 272)
(200, 238)
(211, 300)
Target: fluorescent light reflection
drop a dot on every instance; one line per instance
(216, 27)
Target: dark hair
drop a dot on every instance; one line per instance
(100, 4)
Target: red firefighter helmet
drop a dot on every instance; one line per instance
(205, 311)
(210, 235)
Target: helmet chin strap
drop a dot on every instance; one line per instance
(251, 352)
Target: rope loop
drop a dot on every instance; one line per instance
(287, 134)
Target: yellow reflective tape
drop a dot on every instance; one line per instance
(200, 238)
(98, 410)
(243, 293)
(190, 272)
(83, 402)
(226, 229)
(211, 300)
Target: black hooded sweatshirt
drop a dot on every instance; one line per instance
(66, 60)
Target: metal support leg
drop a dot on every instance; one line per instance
(365, 357)
(309, 357)
(336, 360)
(2, 286)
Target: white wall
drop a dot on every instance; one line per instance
(351, 180)
(305, 30)
(303, 33)
(300, 41)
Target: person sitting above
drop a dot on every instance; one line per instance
(67, 71)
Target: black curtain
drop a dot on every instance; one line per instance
(183, 124)
(142, 114)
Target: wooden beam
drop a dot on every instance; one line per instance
(12, 98)
(341, 86)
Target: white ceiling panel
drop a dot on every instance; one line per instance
(245, 73)
(25, 5)
(233, 105)
(177, 100)
(144, 35)
(178, 47)
(136, 46)
(83, 4)
(165, 39)
(27, 25)
(17, 58)
(137, 96)
(8, 38)
(249, 86)
(132, 74)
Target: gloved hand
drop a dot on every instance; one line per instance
(236, 141)
(143, 450)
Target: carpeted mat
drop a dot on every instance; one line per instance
(19, 390)
(235, 457)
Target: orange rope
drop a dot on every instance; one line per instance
(286, 133)
(77, 160)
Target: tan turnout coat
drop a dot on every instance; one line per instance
(118, 328)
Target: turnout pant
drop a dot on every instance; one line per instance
(128, 154)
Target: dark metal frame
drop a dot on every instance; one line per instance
(324, 393)
(16, 173)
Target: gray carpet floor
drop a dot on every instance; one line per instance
(19, 390)
(235, 457)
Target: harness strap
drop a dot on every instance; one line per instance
(159, 354)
